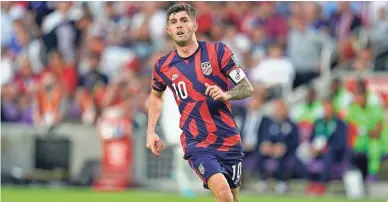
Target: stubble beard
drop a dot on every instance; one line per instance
(183, 41)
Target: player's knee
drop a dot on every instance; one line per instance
(224, 194)
(220, 188)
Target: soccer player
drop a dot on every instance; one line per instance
(198, 73)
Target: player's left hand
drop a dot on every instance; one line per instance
(216, 92)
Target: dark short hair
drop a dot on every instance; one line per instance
(362, 85)
(176, 8)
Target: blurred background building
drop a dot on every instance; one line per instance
(77, 74)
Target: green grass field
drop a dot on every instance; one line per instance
(84, 195)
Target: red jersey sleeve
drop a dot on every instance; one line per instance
(226, 59)
(228, 64)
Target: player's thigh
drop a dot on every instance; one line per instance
(236, 193)
(219, 186)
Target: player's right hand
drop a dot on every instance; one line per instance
(154, 143)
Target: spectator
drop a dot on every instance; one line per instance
(278, 143)
(314, 18)
(374, 11)
(306, 113)
(259, 45)
(276, 72)
(41, 9)
(89, 96)
(7, 70)
(328, 144)
(364, 61)
(310, 110)
(254, 122)
(216, 32)
(204, 16)
(148, 26)
(94, 77)
(366, 118)
(49, 102)
(82, 28)
(83, 105)
(23, 43)
(304, 49)
(379, 31)
(238, 42)
(120, 95)
(66, 73)
(340, 96)
(6, 24)
(60, 32)
(10, 110)
(25, 79)
(112, 26)
(343, 21)
(275, 25)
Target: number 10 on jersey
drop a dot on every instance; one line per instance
(180, 90)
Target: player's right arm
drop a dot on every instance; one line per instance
(155, 105)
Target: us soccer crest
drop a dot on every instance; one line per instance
(206, 68)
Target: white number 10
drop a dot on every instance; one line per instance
(181, 87)
(237, 171)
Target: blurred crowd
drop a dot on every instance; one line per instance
(74, 61)
(317, 140)
(71, 61)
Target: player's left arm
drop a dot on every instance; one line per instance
(242, 90)
(231, 69)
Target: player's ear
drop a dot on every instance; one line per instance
(168, 30)
(195, 26)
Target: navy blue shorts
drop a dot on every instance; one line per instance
(207, 162)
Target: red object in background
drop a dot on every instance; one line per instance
(352, 134)
(134, 65)
(67, 76)
(205, 22)
(22, 3)
(348, 51)
(117, 158)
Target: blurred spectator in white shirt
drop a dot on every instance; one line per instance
(6, 24)
(374, 10)
(305, 49)
(112, 25)
(238, 42)
(7, 70)
(149, 25)
(59, 30)
(276, 72)
(379, 30)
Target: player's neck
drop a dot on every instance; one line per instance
(188, 49)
